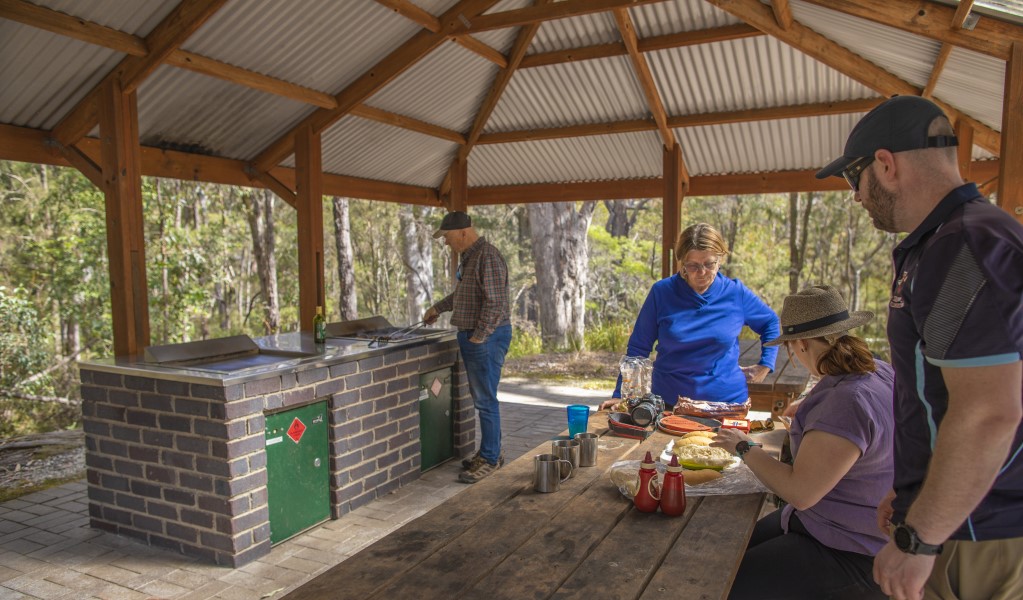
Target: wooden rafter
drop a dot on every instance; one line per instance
(930, 19)
(539, 13)
(962, 11)
(396, 120)
(1010, 177)
(782, 13)
(176, 27)
(84, 163)
(847, 62)
(277, 187)
(646, 78)
(374, 79)
(658, 42)
(695, 120)
(26, 13)
(474, 45)
(414, 13)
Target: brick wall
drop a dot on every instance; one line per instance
(183, 465)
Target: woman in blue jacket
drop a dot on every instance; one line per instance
(694, 317)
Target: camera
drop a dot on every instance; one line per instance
(644, 409)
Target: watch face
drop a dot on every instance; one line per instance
(903, 538)
(742, 447)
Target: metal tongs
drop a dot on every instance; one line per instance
(381, 340)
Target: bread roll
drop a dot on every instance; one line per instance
(701, 476)
(704, 434)
(694, 441)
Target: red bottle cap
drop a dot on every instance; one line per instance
(673, 466)
(648, 460)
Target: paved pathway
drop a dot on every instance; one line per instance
(48, 551)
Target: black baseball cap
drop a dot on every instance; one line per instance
(453, 220)
(897, 125)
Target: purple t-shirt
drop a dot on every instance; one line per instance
(857, 407)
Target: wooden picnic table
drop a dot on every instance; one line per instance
(781, 387)
(500, 539)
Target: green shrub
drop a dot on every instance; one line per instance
(609, 336)
(526, 340)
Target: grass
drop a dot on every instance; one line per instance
(12, 493)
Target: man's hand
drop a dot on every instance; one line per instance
(431, 316)
(475, 340)
(902, 576)
(885, 512)
(755, 373)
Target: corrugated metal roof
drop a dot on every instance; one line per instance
(181, 108)
(743, 74)
(679, 15)
(764, 146)
(502, 39)
(362, 148)
(321, 47)
(974, 83)
(910, 57)
(45, 75)
(589, 91)
(585, 30)
(434, 92)
(596, 158)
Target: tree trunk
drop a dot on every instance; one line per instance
(347, 300)
(622, 215)
(417, 254)
(561, 254)
(261, 224)
(799, 223)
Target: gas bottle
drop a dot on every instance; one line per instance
(673, 490)
(648, 496)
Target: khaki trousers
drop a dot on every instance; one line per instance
(991, 570)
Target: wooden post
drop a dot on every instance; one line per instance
(126, 250)
(964, 133)
(309, 191)
(1010, 177)
(674, 191)
(458, 199)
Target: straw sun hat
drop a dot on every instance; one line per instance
(816, 312)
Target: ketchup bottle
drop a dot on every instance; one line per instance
(673, 492)
(648, 496)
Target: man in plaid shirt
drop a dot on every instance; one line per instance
(482, 315)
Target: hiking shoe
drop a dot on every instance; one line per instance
(467, 463)
(481, 469)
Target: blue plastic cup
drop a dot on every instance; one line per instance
(578, 418)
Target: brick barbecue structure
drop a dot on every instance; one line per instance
(179, 461)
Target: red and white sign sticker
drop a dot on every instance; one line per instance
(296, 430)
(437, 386)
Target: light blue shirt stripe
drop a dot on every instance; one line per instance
(920, 394)
(979, 361)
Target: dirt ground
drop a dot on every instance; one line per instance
(586, 369)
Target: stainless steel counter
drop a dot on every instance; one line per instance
(335, 351)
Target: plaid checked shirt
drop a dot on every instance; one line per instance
(480, 300)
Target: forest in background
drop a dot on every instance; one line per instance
(223, 260)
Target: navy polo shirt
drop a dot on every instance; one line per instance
(957, 301)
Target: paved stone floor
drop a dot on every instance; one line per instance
(48, 551)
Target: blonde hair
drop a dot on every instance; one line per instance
(847, 354)
(700, 237)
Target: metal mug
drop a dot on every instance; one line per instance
(587, 448)
(547, 472)
(567, 450)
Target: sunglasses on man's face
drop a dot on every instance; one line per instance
(853, 171)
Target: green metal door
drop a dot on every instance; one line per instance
(435, 418)
(298, 476)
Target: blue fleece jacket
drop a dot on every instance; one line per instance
(697, 338)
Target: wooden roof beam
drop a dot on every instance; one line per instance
(374, 79)
(930, 19)
(962, 11)
(782, 13)
(697, 120)
(474, 45)
(847, 62)
(658, 42)
(396, 120)
(176, 27)
(646, 78)
(431, 23)
(26, 13)
(538, 13)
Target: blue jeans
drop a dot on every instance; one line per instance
(483, 364)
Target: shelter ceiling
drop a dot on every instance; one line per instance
(398, 87)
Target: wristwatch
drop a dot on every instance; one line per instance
(906, 540)
(743, 447)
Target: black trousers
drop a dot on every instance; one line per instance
(795, 565)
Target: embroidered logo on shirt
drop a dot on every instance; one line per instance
(897, 301)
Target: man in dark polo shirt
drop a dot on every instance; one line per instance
(955, 325)
(482, 315)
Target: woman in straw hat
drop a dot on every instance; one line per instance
(822, 543)
(694, 317)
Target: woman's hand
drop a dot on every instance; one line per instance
(608, 404)
(755, 373)
(726, 438)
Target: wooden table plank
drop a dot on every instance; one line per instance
(702, 563)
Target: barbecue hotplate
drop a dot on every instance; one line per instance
(378, 331)
(222, 355)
